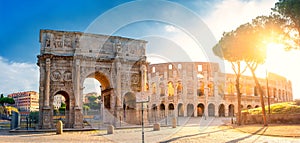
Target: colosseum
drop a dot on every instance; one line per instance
(200, 89)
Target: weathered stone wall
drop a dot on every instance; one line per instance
(273, 119)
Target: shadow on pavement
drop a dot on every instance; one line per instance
(255, 133)
(188, 136)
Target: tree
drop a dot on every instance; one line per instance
(6, 100)
(262, 31)
(248, 43)
(92, 99)
(34, 116)
(229, 49)
(93, 102)
(290, 10)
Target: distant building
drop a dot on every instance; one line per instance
(86, 96)
(26, 102)
(58, 99)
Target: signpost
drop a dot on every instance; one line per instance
(142, 98)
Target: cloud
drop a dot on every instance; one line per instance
(91, 85)
(229, 14)
(17, 77)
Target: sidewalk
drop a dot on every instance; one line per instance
(271, 130)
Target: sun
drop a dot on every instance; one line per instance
(273, 50)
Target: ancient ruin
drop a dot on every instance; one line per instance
(67, 58)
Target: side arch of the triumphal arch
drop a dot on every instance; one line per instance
(67, 58)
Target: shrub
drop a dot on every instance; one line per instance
(297, 102)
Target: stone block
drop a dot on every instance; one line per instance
(174, 122)
(59, 127)
(110, 129)
(156, 127)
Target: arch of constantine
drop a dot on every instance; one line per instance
(67, 58)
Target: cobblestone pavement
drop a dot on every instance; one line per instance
(196, 130)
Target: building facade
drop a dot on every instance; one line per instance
(199, 88)
(26, 102)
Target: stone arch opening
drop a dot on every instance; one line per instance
(249, 107)
(162, 110)
(221, 110)
(171, 109)
(129, 105)
(200, 109)
(105, 88)
(65, 117)
(211, 110)
(256, 106)
(190, 110)
(231, 110)
(153, 113)
(92, 103)
(180, 110)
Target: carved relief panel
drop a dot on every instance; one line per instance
(61, 75)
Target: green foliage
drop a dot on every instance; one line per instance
(34, 116)
(278, 108)
(6, 100)
(92, 98)
(289, 9)
(86, 107)
(93, 104)
(297, 102)
(63, 105)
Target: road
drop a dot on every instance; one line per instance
(194, 130)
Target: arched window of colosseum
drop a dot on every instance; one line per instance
(200, 90)
(275, 93)
(255, 91)
(283, 95)
(153, 69)
(170, 67)
(211, 88)
(230, 88)
(279, 94)
(162, 89)
(199, 68)
(264, 91)
(221, 88)
(179, 87)
(179, 66)
(146, 87)
(248, 90)
(170, 71)
(242, 89)
(153, 88)
(170, 88)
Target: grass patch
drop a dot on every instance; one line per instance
(277, 108)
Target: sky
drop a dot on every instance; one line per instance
(179, 27)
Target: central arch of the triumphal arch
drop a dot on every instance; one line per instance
(67, 58)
